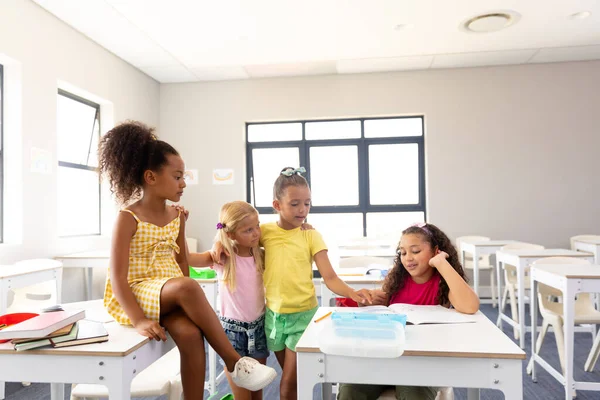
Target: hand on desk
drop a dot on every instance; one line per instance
(151, 329)
(379, 297)
(362, 296)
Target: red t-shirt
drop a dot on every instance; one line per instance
(423, 294)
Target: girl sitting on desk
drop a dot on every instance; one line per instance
(426, 271)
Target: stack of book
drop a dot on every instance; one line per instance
(55, 329)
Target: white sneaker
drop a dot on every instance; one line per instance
(252, 375)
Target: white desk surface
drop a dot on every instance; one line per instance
(7, 271)
(122, 340)
(85, 255)
(545, 253)
(488, 243)
(352, 279)
(481, 339)
(595, 240)
(570, 271)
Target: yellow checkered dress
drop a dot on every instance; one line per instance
(151, 264)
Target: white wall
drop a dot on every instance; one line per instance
(43, 51)
(511, 152)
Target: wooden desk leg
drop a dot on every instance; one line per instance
(57, 391)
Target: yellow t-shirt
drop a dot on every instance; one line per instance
(288, 267)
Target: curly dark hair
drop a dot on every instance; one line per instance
(126, 152)
(395, 279)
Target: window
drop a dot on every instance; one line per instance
(367, 174)
(78, 128)
(1, 154)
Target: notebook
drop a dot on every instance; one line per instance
(42, 325)
(34, 344)
(89, 332)
(60, 332)
(422, 314)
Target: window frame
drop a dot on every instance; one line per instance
(364, 207)
(67, 164)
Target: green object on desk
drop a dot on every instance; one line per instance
(228, 396)
(202, 273)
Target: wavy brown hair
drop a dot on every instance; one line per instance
(125, 153)
(430, 233)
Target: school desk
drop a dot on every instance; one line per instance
(521, 259)
(571, 280)
(471, 355)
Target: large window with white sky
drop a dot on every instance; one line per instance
(78, 128)
(366, 174)
(1, 154)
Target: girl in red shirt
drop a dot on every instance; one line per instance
(426, 271)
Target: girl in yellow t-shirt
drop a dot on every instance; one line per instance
(289, 289)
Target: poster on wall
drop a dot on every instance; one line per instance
(41, 161)
(222, 176)
(191, 177)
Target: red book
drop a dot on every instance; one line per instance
(42, 325)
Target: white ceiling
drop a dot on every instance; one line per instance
(200, 40)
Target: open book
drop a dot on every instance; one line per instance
(422, 314)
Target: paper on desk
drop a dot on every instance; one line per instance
(431, 314)
(98, 315)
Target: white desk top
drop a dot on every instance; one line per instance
(546, 253)
(86, 255)
(595, 240)
(481, 339)
(488, 243)
(122, 340)
(570, 271)
(7, 271)
(358, 279)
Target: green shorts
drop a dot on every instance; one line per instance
(284, 330)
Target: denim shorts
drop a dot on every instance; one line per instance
(247, 338)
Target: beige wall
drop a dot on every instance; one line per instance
(38, 51)
(511, 152)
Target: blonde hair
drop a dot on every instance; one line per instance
(231, 215)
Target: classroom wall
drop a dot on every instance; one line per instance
(38, 51)
(511, 151)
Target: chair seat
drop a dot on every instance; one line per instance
(152, 381)
(584, 313)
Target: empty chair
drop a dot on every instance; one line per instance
(510, 281)
(483, 262)
(552, 312)
(160, 378)
(442, 394)
(572, 239)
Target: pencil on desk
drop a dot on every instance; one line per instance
(323, 317)
(351, 274)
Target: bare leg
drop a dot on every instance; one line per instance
(190, 343)
(280, 355)
(186, 294)
(288, 388)
(243, 394)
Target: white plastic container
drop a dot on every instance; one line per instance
(363, 335)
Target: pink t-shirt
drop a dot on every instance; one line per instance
(423, 294)
(247, 302)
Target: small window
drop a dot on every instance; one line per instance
(274, 132)
(78, 130)
(393, 127)
(332, 130)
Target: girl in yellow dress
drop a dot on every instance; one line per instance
(148, 284)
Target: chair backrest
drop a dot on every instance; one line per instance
(364, 261)
(39, 262)
(522, 246)
(572, 239)
(545, 291)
